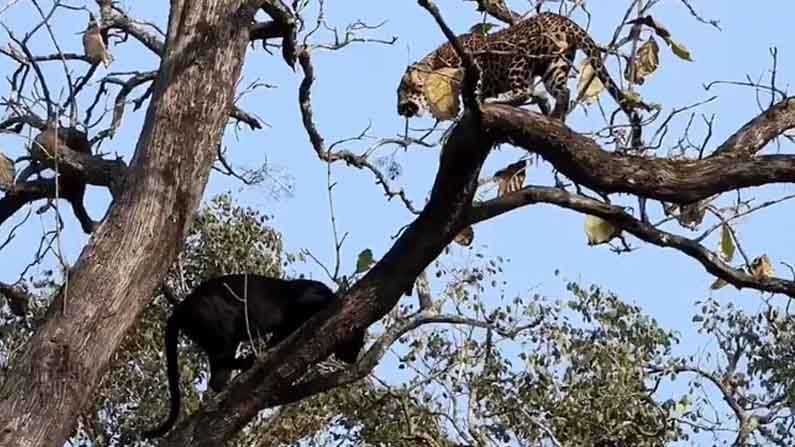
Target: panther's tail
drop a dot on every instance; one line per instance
(172, 333)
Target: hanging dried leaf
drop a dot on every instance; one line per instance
(690, 216)
(646, 62)
(727, 246)
(599, 231)
(465, 236)
(7, 173)
(94, 46)
(511, 178)
(589, 86)
(442, 89)
(761, 267)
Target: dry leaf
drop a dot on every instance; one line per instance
(589, 86)
(761, 267)
(690, 216)
(442, 89)
(7, 173)
(94, 46)
(511, 178)
(726, 243)
(646, 62)
(465, 236)
(599, 231)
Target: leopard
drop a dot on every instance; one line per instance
(511, 59)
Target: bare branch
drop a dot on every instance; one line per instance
(318, 143)
(644, 231)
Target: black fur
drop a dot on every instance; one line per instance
(214, 317)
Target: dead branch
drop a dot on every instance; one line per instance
(318, 143)
(286, 25)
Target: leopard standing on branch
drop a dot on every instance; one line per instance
(509, 61)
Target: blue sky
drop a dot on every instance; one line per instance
(356, 86)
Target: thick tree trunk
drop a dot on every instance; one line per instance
(56, 374)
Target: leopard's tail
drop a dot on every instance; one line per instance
(589, 47)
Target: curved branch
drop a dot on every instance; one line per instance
(287, 28)
(368, 300)
(643, 231)
(319, 144)
(678, 181)
(755, 134)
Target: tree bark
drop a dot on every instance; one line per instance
(56, 373)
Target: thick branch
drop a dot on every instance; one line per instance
(367, 301)
(677, 181)
(53, 377)
(755, 134)
(621, 219)
(287, 27)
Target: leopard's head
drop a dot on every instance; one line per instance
(411, 98)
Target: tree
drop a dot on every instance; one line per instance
(613, 354)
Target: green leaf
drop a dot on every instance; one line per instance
(364, 261)
(680, 50)
(726, 243)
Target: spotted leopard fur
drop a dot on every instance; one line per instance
(511, 59)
